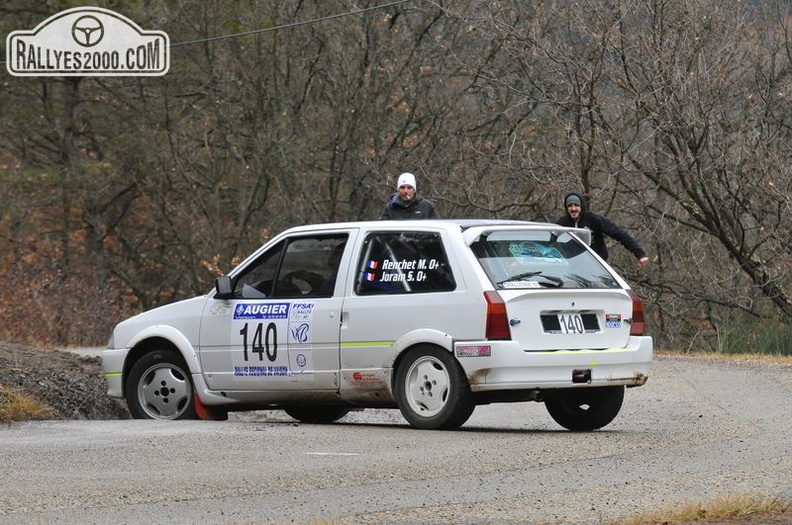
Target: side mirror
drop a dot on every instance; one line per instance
(223, 287)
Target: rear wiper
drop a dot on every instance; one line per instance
(557, 282)
(519, 277)
(547, 280)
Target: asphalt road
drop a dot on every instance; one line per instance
(697, 431)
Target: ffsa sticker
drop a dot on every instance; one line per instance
(301, 339)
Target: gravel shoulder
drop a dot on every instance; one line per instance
(70, 385)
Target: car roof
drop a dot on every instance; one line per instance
(462, 224)
(472, 226)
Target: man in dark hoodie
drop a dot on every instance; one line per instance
(578, 216)
(406, 203)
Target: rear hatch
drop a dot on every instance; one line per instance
(545, 319)
(558, 294)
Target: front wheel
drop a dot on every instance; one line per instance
(431, 389)
(583, 409)
(316, 414)
(159, 387)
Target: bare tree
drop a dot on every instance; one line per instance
(668, 115)
(673, 117)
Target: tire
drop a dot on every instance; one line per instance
(159, 387)
(431, 389)
(316, 414)
(584, 409)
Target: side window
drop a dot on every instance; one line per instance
(296, 267)
(257, 280)
(403, 263)
(310, 266)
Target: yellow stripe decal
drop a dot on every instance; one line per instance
(112, 374)
(353, 344)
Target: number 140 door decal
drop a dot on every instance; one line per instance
(261, 344)
(272, 340)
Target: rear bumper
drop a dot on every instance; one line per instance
(508, 367)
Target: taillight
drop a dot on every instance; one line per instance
(638, 325)
(497, 322)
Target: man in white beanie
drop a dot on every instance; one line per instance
(406, 203)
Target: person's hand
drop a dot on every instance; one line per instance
(314, 280)
(643, 262)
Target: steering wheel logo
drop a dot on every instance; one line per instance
(87, 31)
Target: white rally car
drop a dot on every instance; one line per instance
(432, 317)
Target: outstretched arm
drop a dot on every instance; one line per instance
(614, 231)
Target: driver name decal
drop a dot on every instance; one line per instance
(404, 271)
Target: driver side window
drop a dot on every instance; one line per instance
(257, 281)
(295, 268)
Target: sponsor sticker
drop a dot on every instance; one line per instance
(367, 380)
(261, 311)
(613, 320)
(261, 371)
(300, 333)
(300, 339)
(474, 351)
(521, 284)
(219, 309)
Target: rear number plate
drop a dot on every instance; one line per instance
(571, 324)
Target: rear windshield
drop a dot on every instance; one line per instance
(539, 259)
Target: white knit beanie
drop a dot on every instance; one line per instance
(406, 179)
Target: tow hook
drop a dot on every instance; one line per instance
(581, 376)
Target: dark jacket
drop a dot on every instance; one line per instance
(599, 226)
(418, 208)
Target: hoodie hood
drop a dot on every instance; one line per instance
(583, 203)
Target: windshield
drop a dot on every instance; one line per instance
(539, 259)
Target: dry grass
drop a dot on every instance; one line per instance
(733, 510)
(18, 407)
(717, 356)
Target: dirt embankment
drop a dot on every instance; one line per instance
(71, 386)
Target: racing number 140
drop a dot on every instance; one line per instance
(262, 343)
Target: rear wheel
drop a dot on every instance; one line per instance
(159, 387)
(582, 409)
(316, 414)
(431, 389)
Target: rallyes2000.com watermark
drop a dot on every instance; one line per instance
(87, 41)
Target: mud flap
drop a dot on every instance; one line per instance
(206, 413)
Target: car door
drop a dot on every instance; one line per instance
(280, 331)
(404, 283)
